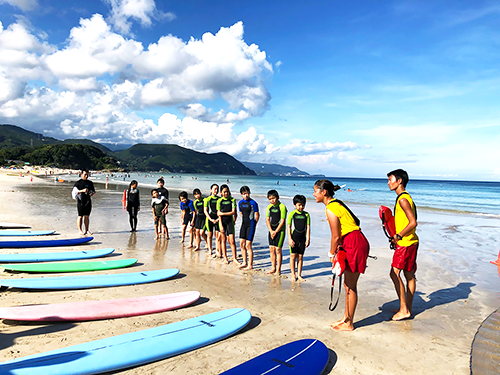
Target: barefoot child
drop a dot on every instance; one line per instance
(187, 218)
(158, 204)
(249, 210)
(212, 224)
(226, 210)
(299, 234)
(406, 241)
(162, 192)
(199, 219)
(275, 220)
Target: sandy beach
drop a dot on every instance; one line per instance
(457, 288)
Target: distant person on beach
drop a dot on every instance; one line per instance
(406, 242)
(187, 217)
(249, 210)
(158, 205)
(226, 210)
(210, 207)
(162, 192)
(83, 190)
(299, 235)
(346, 236)
(275, 220)
(200, 220)
(133, 204)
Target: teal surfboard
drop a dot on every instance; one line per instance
(132, 349)
(89, 281)
(25, 233)
(54, 257)
(70, 266)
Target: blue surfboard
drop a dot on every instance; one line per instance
(132, 349)
(89, 281)
(45, 243)
(304, 357)
(23, 233)
(54, 257)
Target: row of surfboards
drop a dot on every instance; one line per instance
(132, 349)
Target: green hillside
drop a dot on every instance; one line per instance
(173, 158)
(12, 136)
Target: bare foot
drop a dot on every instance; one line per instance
(181, 241)
(189, 247)
(242, 265)
(343, 327)
(271, 272)
(236, 262)
(82, 233)
(248, 268)
(302, 279)
(277, 273)
(89, 233)
(214, 256)
(294, 278)
(196, 248)
(226, 261)
(338, 322)
(156, 237)
(400, 315)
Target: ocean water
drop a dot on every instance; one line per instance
(464, 197)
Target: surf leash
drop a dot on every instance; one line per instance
(338, 261)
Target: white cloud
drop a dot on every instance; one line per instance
(24, 5)
(92, 51)
(143, 11)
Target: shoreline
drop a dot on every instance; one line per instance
(454, 292)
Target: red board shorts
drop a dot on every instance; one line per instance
(357, 249)
(405, 258)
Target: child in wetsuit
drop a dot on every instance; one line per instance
(299, 234)
(406, 241)
(249, 210)
(226, 211)
(275, 220)
(158, 205)
(133, 204)
(187, 218)
(200, 218)
(212, 223)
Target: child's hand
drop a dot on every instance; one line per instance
(273, 233)
(291, 242)
(307, 243)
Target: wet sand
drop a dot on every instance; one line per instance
(457, 288)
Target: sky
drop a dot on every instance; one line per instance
(344, 89)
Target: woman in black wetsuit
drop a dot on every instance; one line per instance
(133, 204)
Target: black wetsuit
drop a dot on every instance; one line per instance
(133, 204)
(84, 203)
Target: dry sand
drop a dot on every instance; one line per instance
(455, 293)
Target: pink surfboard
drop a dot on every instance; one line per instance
(96, 310)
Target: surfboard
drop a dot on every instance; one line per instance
(13, 226)
(305, 357)
(45, 243)
(52, 257)
(70, 266)
(23, 233)
(132, 349)
(89, 281)
(97, 310)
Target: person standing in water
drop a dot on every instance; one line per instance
(133, 204)
(163, 192)
(83, 190)
(406, 242)
(346, 235)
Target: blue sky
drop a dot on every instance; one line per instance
(348, 89)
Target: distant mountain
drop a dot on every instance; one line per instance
(12, 136)
(177, 159)
(276, 170)
(89, 143)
